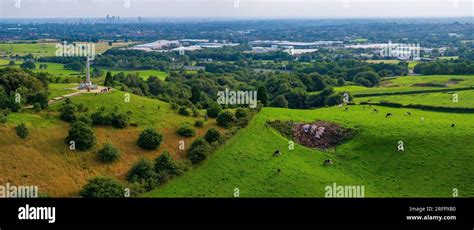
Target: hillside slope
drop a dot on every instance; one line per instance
(435, 161)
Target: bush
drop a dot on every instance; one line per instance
(199, 150)
(225, 119)
(199, 124)
(82, 135)
(241, 112)
(101, 117)
(186, 130)
(120, 120)
(102, 187)
(67, 112)
(212, 135)
(86, 119)
(143, 172)
(108, 154)
(183, 111)
(22, 131)
(165, 164)
(150, 139)
(213, 110)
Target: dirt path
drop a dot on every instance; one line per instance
(63, 97)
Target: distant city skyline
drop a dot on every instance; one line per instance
(236, 8)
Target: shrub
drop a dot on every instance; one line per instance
(165, 164)
(241, 112)
(108, 154)
(212, 135)
(86, 119)
(186, 130)
(150, 139)
(143, 173)
(225, 119)
(197, 154)
(102, 187)
(101, 117)
(199, 150)
(213, 110)
(183, 111)
(82, 135)
(120, 120)
(67, 112)
(199, 123)
(22, 131)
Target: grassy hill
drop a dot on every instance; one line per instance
(43, 159)
(436, 158)
(445, 99)
(413, 83)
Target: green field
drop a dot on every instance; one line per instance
(436, 158)
(57, 90)
(58, 70)
(408, 83)
(445, 99)
(145, 74)
(36, 49)
(42, 49)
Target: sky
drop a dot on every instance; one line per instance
(236, 8)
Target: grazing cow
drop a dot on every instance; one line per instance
(277, 153)
(388, 115)
(452, 125)
(328, 162)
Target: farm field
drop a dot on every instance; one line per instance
(42, 49)
(145, 74)
(413, 83)
(22, 49)
(60, 172)
(370, 159)
(58, 70)
(444, 99)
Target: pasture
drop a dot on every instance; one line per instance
(436, 158)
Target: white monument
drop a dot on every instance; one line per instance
(87, 84)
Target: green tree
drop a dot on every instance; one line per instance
(82, 135)
(186, 130)
(28, 65)
(150, 139)
(280, 102)
(143, 172)
(213, 110)
(109, 81)
(102, 187)
(165, 164)
(225, 118)
(22, 131)
(108, 153)
(262, 95)
(212, 135)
